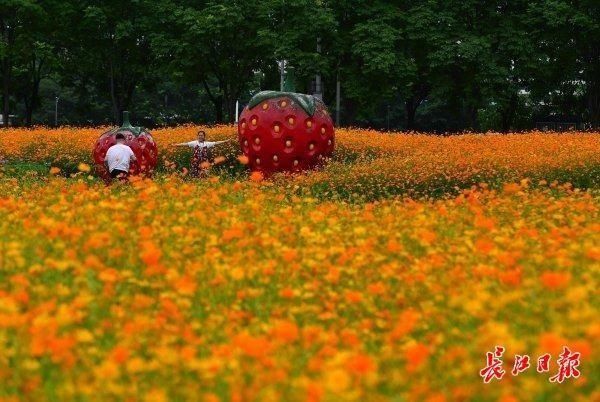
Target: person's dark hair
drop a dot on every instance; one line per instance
(120, 136)
(202, 132)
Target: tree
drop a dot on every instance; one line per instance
(386, 55)
(16, 21)
(108, 46)
(36, 58)
(215, 44)
(571, 41)
(293, 32)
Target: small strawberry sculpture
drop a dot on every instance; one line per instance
(138, 139)
(285, 131)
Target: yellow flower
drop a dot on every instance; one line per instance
(337, 380)
(84, 336)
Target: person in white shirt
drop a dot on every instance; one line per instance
(199, 163)
(118, 158)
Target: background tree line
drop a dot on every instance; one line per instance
(438, 65)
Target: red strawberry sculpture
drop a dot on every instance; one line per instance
(141, 142)
(285, 131)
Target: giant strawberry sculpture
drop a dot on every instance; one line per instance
(138, 139)
(285, 131)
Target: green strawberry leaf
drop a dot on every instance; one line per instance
(136, 131)
(307, 102)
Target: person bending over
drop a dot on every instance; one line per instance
(118, 158)
(199, 163)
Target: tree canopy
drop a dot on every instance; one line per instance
(421, 64)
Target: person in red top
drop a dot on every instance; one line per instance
(200, 156)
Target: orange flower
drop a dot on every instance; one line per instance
(593, 253)
(353, 296)
(552, 343)
(582, 346)
(393, 246)
(416, 355)
(484, 222)
(109, 275)
(350, 338)
(210, 397)
(406, 323)
(484, 245)
(290, 255)
(306, 284)
(511, 188)
(427, 236)
(360, 364)
(510, 277)
(285, 331)
(235, 232)
(256, 347)
(286, 293)
(555, 280)
(119, 354)
(314, 392)
(185, 284)
(376, 288)
(150, 254)
(257, 176)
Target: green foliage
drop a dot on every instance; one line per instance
(421, 64)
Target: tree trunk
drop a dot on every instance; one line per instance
(337, 99)
(507, 115)
(32, 98)
(594, 106)
(350, 108)
(593, 101)
(6, 70)
(473, 108)
(230, 105)
(113, 96)
(217, 101)
(28, 113)
(125, 102)
(7, 38)
(411, 111)
(473, 118)
(412, 104)
(505, 121)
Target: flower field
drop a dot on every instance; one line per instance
(385, 276)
